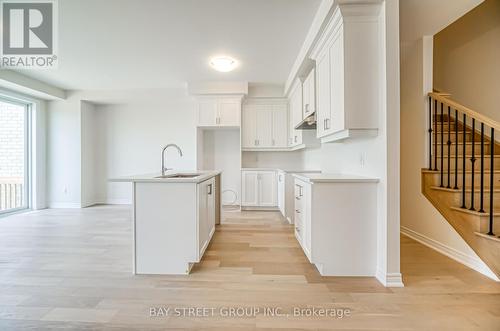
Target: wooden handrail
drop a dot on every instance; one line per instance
(442, 97)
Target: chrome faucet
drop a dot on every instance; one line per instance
(163, 169)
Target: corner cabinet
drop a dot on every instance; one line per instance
(264, 124)
(348, 74)
(218, 111)
(336, 225)
(259, 188)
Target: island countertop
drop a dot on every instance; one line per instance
(169, 177)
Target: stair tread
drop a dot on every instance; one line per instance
(494, 237)
(469, 155)
(461, 142)
(486, 171)
(467, 189)
(496, 211)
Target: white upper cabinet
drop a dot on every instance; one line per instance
(309, 94)
(348, 75)
(280, 125)
(264, 125)
(219, 111)
(295, 99)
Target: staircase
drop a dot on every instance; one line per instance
(465, 190)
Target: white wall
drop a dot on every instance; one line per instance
(417, 213)
(129, 129)
(64, 153)
(132, 133)
(293, 160)
(89, 150)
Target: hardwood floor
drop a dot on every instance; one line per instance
(71, 270)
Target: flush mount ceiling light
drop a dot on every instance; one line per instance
(223, 63)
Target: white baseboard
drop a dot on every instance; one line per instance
(116, 202)
(289, 220)
(64, 205)
(389, 279)
(472, 262)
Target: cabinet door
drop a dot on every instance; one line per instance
(337, 85)
(309, 95)
(280, 126)
(296, 101)
(305, 99)
(210, 207)
(207, 111)
(250, 188)
(267, 189)
(202, 218)
(281, 192)
(306, 220)
(229, 112)
(311, 92)
(323, 90)
(295, 115)
(264, 123)
(249, 127)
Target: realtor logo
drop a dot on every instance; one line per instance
(28, 34)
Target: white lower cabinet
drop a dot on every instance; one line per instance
(336, 225)
(206, 214)
(303, 216)
(281, 192)
(259, 188)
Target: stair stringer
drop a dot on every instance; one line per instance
(465, 225)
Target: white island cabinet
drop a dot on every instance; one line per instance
(336, 222)
(174, 219)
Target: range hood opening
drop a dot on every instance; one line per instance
(309, 123)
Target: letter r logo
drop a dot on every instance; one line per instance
(27, 28)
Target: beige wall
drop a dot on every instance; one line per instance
(467, 59)
(417, 213)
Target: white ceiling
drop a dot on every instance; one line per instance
(117, 44)
(418, 18)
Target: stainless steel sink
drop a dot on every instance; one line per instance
(179, 176)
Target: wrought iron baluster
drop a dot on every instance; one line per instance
(492, 179)
(456, 150)
(481, 193)
(473, 162)
(449, 149)
(442, 151)
(463, 160)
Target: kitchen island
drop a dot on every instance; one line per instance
(174, 219)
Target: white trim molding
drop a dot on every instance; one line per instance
(64, 205)
(389, 280)
(470, 261)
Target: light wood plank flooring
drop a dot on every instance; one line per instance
(71, 270)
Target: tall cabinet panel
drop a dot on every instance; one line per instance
(348, 69)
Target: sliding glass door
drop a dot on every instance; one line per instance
(14, 156)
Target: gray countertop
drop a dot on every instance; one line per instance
(281, 169)
(155, 178)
